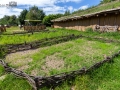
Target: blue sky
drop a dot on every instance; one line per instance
(49, 6)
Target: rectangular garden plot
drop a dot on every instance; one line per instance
(64, 57)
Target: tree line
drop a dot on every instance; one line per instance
(34, 13)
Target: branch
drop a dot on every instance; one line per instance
(19, 73)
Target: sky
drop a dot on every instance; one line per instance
(48, 6)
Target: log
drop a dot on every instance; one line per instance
(19, 73)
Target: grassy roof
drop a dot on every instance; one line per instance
(92, 10)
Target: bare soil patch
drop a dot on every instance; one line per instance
(54, 63)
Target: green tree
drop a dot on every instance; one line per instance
(35, 14)
(47, 19)
(67, 13)
(22, 16)
(5, 20)
(13, 20)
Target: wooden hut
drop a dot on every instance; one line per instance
(108, 20)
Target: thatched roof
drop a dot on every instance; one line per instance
(116, 10)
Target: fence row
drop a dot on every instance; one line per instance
(55, 80)
(12, 48)
(34, 28)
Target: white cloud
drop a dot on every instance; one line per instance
(70, 8)
(39, 2)
(64, 1)
(10, 11)
(84, 7)
(75, 9)
(54, 9)
(49, 6)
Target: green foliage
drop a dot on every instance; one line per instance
(1, 70)
(22, 16)
(35, 14)
(13, 20)
(2, 51)
(67, 13)
(9, 20)
(47, 19)
(5, 20)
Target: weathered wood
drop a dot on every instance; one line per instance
(19, 73)
(34, 28)
(11, 48)
(55, 80)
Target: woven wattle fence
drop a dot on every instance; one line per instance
(55, 80)
(12, 48)
(51, 81)
(34, 28)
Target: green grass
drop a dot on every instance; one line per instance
(12, 29)
(70, 56)
(14, 83)
(8, 39)
(74, 54)
(106, 77)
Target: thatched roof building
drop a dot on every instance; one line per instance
(107, 19)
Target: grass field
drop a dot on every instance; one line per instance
(8, 39)
(13, 29)
(65, 57)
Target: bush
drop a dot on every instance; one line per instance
(2, 51)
